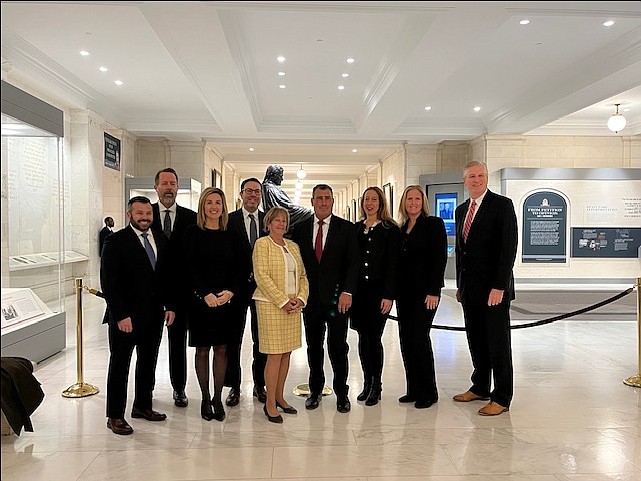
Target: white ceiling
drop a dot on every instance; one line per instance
(208, 71)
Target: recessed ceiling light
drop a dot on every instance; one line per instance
(350, 60)
(477, 108)
(354, 150)
(428, 107)
(118, 82)
(281, 74)
(341, 87)
(345, 75)
(251, 149)
(280, 59)
(524, 21)
(103, 69)
(608, 23)
(282, 86)
(84, 53)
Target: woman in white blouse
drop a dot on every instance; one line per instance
(280, 295)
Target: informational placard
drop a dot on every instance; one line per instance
(446, 203)
(19, 305)
(599, 242)
(544, 228)
(112, 152)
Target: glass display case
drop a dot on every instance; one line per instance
(33, 254)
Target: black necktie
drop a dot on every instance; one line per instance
(150, 250)
(166, 227)
(253, 230)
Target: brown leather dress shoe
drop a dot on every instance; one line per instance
(492, 409)
(148, 414)
(233, 398)
(468, 396)
(260, 394)
(119, 426)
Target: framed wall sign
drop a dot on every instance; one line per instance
(112, 152)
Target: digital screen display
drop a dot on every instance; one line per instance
(445, 206)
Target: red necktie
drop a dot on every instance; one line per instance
(468, 220)
(318, 245)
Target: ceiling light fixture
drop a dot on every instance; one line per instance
(84, 53)
(477, 108)
(301, 174)
(524, 22)
(251, 149)
(299, 185)
(118, 82)
(345, 75)
(350, 60)
(428, 107)
(282, 86)
(608, 23)
(103, 69)
(616, 122)
(354, 150)
(281, 59)
(281, 74)
(341, 87)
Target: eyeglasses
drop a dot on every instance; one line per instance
(252, 191)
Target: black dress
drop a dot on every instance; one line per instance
(212, 258)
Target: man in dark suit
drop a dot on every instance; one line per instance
(248, 230)
(104, 232)
(486, 241)
(329, 249)
(172, 220)
(134, 266)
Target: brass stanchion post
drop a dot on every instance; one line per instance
(81, 388)
(635, 381)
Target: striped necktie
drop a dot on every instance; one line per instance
(468, 220)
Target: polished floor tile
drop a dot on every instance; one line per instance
(572, 418)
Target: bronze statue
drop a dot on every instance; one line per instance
(274, 196)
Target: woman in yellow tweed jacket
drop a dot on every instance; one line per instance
(280, 295)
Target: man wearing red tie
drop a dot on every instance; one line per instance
(329, 249)
(486, 241)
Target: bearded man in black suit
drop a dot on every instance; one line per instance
(486, 242)
(173, 220)
(329, 248)
(134, 265)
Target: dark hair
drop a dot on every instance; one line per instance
(383, 213)
(107, 219)
(140, 199)
(251, 179)
(321, 187)
(168, 169)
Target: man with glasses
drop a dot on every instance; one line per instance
(247, 222)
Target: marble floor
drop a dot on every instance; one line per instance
(572, 418)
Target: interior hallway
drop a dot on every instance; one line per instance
(572, 417)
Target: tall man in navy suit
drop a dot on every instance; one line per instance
(486, 241)
(247, 222)
(172, 220)
(329, 249)
(133, 269)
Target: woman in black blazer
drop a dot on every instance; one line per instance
(422, 262)
(379, 242)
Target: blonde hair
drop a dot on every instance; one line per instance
(201, 217)
(272, 214)
(383, 212)
(425, 210)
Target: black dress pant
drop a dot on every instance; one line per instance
(489, 339)
(319, 318)
(368, 321)
(146, 340)
(234, 372)
(177, 337)
(414, 325)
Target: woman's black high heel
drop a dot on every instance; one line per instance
(273, 419)
(219, 411)
(288, 409)
(205, 411)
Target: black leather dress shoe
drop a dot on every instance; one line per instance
(423, 404)
(407, 399)
(180, 399)
(313, 401)
(342, 403)
(233, 398)
(148, 414)
(119, 426)
(260, 394)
